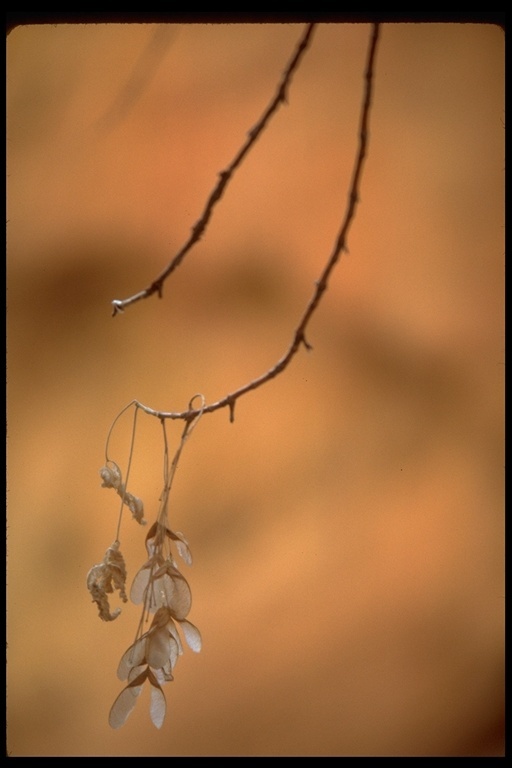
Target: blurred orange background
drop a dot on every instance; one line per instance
(348, 528)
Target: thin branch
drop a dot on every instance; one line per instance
(224, 177)
(321, 284)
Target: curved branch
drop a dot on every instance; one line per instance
(225, 176)
(321, 284)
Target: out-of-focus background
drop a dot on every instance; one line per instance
(347, 529)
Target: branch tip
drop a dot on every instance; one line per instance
(225, 175)
(117, 307)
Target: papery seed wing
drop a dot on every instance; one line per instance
(175, 635)
(158, 648)
(139, 585)
(125, 702)
(158, 705)
(160, 592)
(123, 706)
(161, 617)
(178, 593)
(136, 671)
(150, 571)
(174, 652)
(162, 647)
(174, 655)
(150, 539)
(164, 674)
(133, 657)
(143, 577)
(182, 546)
(192, 635)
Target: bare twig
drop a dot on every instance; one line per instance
(321, 284)
(224, 177)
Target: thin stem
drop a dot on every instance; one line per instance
(133, 402)
(119, 305)
(187, 431)
(132, 442)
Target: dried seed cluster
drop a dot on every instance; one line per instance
(162, 590)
